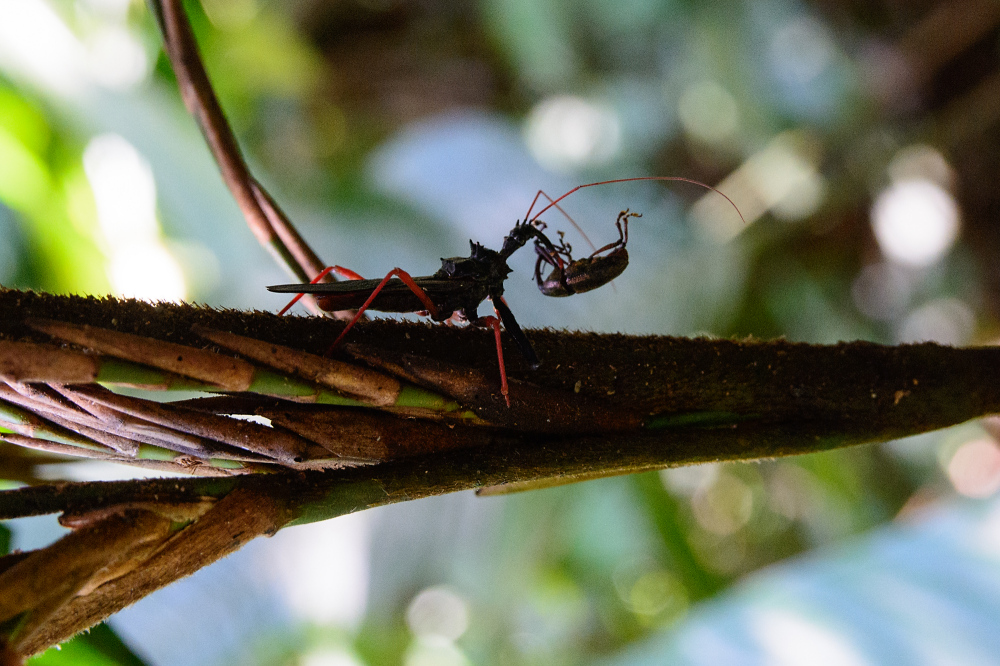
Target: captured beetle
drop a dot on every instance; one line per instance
(574, 276)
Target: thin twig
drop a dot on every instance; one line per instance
(265, 218)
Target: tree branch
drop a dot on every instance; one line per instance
(623, 404)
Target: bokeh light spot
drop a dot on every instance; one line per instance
(230, 14)
(116, 10)
(566, 133)
(974, 469)
(921, 162)
(322, 569)
(117, 59)
(329, 657)
(686, 480)
(882, 291)
(708, 112)
(781, 178)
(139, 264)
(915, 222)
(787, 638)
(658, 592)
(438, 612)
(948, 321)
(724, 506)
(423, 653)
(148, 271)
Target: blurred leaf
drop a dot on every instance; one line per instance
(901, 594)
(24, 121)
(100, 646)
(25, 182)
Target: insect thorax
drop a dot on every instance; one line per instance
(482, 265)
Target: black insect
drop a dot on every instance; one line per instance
(457, 288)
(463, 283)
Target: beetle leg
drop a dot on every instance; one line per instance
(622, 224)
(345, 273)
(553, 255)
(554, 203)
(408, 281)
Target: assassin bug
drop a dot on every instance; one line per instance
(458, 287)
(463, 283)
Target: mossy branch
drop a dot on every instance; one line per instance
(600, 405)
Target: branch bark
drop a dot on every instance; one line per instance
(640, 403)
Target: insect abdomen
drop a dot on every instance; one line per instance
(585, 274)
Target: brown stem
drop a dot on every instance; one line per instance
(665, 402)
(265, 218)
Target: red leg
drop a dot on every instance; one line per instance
(494, 322)
(408, 281)
(345, 273)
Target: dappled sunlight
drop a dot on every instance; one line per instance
(782, 178)
(916, 221)
(566, 133)
(139, 264)
(974, 468)
(786, 638)
(709, 112)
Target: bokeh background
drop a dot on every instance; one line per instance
(857, 138)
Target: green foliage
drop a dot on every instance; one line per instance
(100, 646)
(42, 185)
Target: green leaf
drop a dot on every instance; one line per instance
(100, 646)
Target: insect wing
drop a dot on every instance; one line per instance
(394, 297)
(347, 286)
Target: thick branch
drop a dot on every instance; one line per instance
(646, 403)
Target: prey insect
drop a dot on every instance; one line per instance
(462, 283)
(575, 276)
